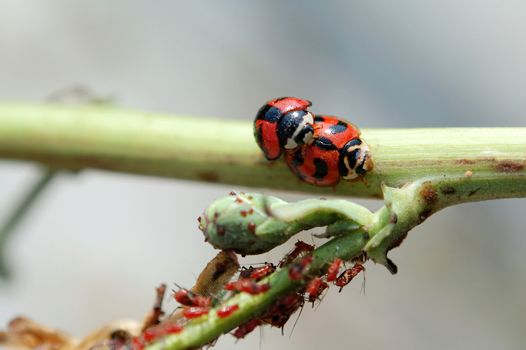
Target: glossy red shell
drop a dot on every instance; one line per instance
(318, 162)
(289, 104)
(338, 131)
(267, 137)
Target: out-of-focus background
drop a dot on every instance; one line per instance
(96, 244)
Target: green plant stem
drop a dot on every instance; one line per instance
(222, 151)
(19, 211)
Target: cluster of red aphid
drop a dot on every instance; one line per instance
(316, 286)
(195, 305)
(297, 262)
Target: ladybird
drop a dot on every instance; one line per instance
(283, 123)
(335, 151)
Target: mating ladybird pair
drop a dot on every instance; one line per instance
(318, 149)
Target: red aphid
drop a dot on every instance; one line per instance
(279, 312)
(262, 272)
(297, 269)
(300, 247)
(246, 272)
(137, 343)
(189, 298)
(195, 311)
(247, 285)
(171, 328)
(246, 328)
(315, 288)
(334, 268)
(152, 333)
(226, 311)
(346, 276)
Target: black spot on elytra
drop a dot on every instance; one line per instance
(297, 158)
(338, 128)
(321, 169)
(319, 118)
(268, 113)
(325, 144)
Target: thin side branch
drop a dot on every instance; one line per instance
(18, 213)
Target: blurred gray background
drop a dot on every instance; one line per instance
(96, 244)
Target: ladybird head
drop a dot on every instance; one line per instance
(283, 123)
(354, 159)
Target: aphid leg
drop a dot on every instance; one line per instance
(295, 323)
